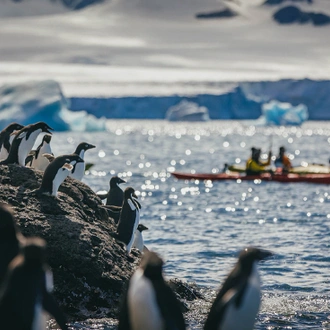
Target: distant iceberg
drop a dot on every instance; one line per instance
(43, 101)
(283, 113)
(187, 111)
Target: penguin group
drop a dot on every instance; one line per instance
(148, 302)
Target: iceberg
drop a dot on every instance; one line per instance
(44, 101)
(187, 111)
(283, 113)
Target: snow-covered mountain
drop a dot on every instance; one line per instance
(157, 47)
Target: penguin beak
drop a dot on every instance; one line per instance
(143, 227)
(90, 146)
(134, 195)
(263, 254)
(47, 129)
(121, 181)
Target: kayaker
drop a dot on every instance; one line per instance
(282, 161)
(255, 165)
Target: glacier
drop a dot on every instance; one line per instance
(187, 111)
(44, 101)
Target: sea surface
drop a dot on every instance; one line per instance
(199, 227)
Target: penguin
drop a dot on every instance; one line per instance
(36, 159)
(113, 212)
(78, 170)
(115, 195)
(56, 172)
(10, 238)
(238, 300)
(149, 303)
(138, 238)
(24, 141)
(25, 294)
(128, 220)
(6, 138)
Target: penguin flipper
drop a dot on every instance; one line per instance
(50, 157)
(29, 158)
(88, 166)
(49, 304)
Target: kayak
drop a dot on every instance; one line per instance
(309, 169)
(284, 178)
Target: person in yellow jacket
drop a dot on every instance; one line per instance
(254, 165)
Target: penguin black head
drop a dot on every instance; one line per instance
(83, 146)
(115, 181)
(34, 251)
(152, 265)
(7, 222)
(129, 192)
(13, 127)
(47, 138)
(251, 254)
(141, 228)
(43, 126)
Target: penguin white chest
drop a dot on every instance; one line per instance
(144, 313)
(26, 145)
(243, 316)
(60, 176)
(138, 241)
(42, 162)
(135, 225)
(79, 170)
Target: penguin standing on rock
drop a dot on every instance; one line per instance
(138, 238)
(149, 302)
(6, 138)
(128, 220)
(78, 170)
(23, 142)
(56, 172)
(36, 159)
(237, 303)
(115, 195)
(10, 239)
(25, 294)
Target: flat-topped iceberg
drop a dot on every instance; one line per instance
(43, 101)
(187, 111)
(283, 113)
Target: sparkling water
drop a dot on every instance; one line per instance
(199, 227)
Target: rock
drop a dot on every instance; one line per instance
(90, 269)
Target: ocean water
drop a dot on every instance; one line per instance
(199, 227)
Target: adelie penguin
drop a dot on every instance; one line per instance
(24, 141)
(35, 158)
(78, 170)
(115, 195)
(6, 138)
(238, 301)
(128, 220)
(56, 172)
(149, 303)
(25, 294)
(138, 238)
(10, 238)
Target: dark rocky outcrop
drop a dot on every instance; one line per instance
(292, 14)
(90, 269)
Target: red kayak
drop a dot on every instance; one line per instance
(290, 177)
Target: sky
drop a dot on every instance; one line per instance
(153, 47)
